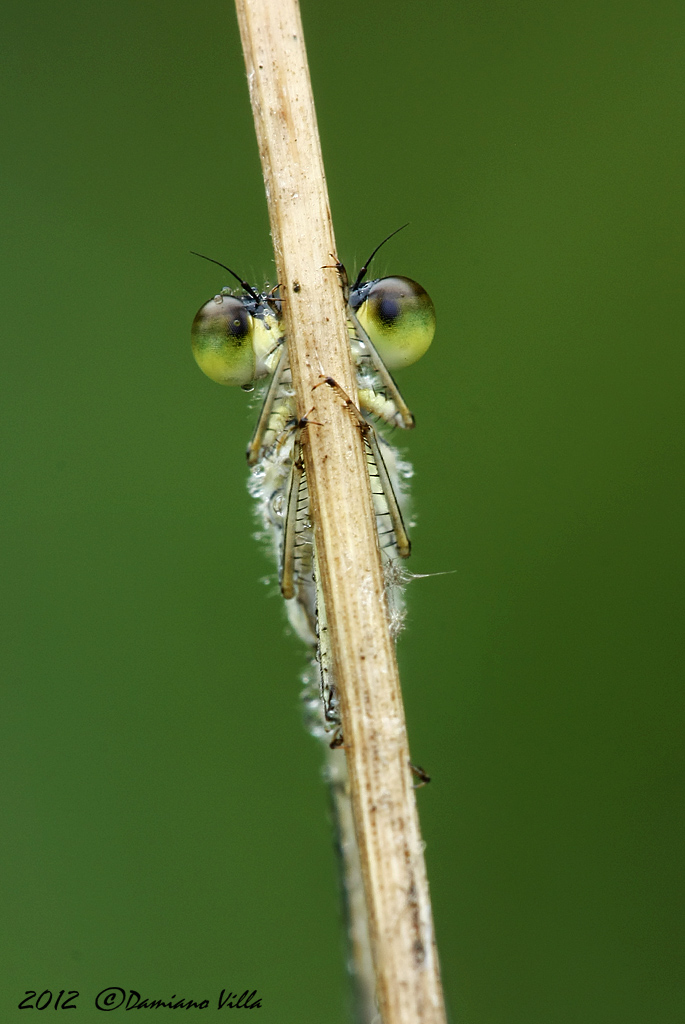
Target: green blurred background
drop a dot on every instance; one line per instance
(165, 826)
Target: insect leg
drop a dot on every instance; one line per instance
(277, 383)
(406, 417)
(377, 471)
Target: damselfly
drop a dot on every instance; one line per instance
(239, 339)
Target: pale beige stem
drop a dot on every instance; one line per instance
(363, 655)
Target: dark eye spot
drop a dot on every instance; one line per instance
(388, 310)
(238, 325)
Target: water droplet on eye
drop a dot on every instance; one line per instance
(218, 299)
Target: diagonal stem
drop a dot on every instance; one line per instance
(362, 652)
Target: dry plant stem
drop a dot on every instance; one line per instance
(363, 655)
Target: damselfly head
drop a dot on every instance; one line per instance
(397, 314)
(399, 317)
(233, 337)
(222, 337)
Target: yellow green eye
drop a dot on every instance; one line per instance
(399, 318)
(223, 340)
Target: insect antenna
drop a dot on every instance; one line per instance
(248, 287)
(362, 273)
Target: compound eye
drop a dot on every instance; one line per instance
(399, 318)
(222, 337)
